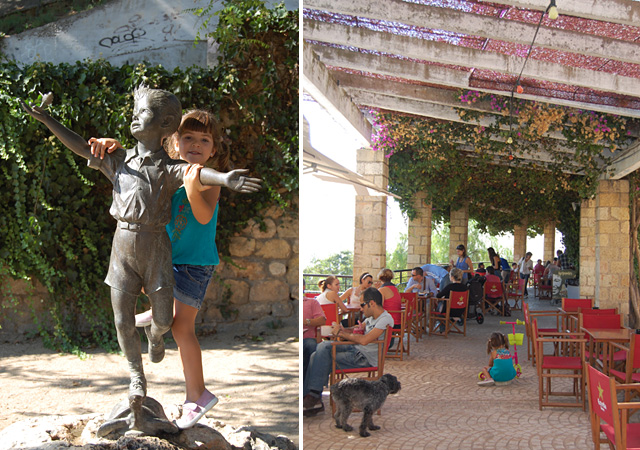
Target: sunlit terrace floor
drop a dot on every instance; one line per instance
(441, 407)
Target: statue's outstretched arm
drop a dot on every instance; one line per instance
(72, 140)
(234, 180)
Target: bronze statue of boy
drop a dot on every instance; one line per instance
(144, 178)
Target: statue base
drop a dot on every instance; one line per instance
(136, 417)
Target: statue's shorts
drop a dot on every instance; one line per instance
(140, 257)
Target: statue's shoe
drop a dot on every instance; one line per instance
(138, 386)
(156, 347)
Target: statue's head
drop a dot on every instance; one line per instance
(156, 113)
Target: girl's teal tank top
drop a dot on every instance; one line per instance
(191, 242)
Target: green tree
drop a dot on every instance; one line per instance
(397, 260)
(340, 263)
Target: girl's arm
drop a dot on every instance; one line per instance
(470, 264)
(203, 199)
(492, 357)
(346, 294)
(334, 298)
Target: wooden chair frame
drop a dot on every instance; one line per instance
(372, 373)
(517, 295)
(489, 303)
(563, 367)
(406, 319)
(449, 322)
(528, 316)
(617, 433)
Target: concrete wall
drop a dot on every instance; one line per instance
(122, 32)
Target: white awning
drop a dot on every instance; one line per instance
(326, 169)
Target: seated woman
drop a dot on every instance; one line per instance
(330, 287)
(456, 285)
(354, 294)
(391, 300)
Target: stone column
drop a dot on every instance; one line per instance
(419, 234)
(519, 241)
(588, 249)
(549, 241)
(370, 241)
(607, 250)
(458, 230)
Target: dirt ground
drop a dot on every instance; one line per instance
(256, 381)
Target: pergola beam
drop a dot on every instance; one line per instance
(422, 108)
(625, 12)
(320, 84)
(425, 16)
(626, 163)
(447, 99)
(438, 75)
(445, 53)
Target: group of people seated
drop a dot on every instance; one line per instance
(374, 299)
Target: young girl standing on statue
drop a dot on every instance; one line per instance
(194, 214)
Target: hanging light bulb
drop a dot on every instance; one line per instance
(509, 140)
(553, 11)
(519, 89)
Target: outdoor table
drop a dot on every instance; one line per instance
(421, 307)
(603, 338)
(352, 314)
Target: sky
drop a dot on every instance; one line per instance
(327, 210)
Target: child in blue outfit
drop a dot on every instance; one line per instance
(192, 230)
(500, 368)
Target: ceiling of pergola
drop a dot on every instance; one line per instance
(413, 57)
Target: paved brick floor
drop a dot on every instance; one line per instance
(441, 407)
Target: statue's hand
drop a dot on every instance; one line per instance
(36, 112)
(238, 182)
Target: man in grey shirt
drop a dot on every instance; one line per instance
(144, 179)
(364, 352)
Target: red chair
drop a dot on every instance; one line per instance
(413, 319)
(608, 416)
(492, 297)
(311, 294)
(458, 302)
(528, 315)
(371, 373)
(536, 283)
(517, 295)
(601, 322)
(552, 366)
(406, 317)
(330, 311)
(572, 304)
(632, 364)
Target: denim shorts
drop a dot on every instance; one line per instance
(191, 283)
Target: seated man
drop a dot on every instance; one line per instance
(420, 283)
(363, 353)
(481, 269)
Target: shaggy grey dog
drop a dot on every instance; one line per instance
(369, 396)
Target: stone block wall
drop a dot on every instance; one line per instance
(549, 241)
(370, 235)
(519, 242)
(257, 291)
(458, 230)
(419, 234)
(259, 288)
(604, 246)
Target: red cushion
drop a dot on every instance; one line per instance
(635, 377)
(633, 435)
(562, 362)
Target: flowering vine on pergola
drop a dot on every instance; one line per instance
(555, 156)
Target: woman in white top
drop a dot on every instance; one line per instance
(330, 288)
(355, 293)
